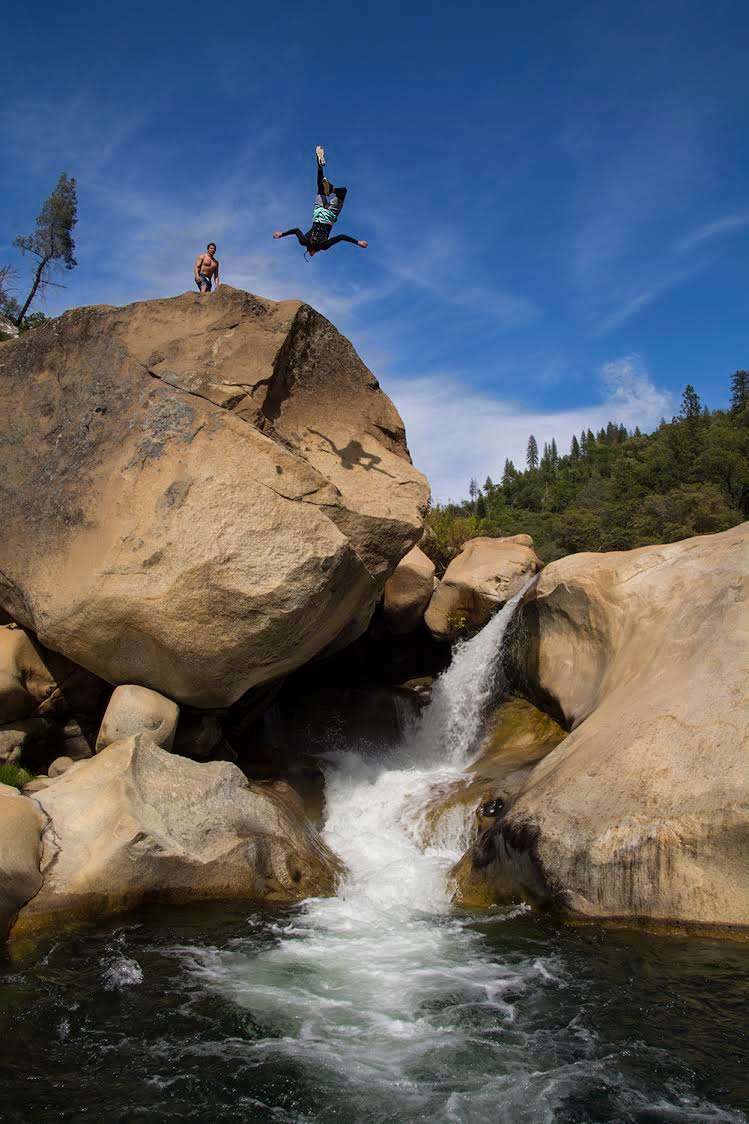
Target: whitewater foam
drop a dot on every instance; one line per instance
(385, 1000)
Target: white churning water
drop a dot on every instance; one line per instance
(384, 1004)
(376, 983)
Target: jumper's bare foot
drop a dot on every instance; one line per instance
(363, 245)
(276, 233)
(320, 154)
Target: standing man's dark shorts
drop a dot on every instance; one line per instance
(206, 280)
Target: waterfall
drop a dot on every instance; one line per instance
(374, 806)
(353, 985)
(384, 1004)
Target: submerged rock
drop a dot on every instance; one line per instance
(138, 824)
(482, 578)
(199, 494)
(643, 810)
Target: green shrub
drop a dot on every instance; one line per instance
(14, 775)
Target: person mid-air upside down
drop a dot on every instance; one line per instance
(326, 209)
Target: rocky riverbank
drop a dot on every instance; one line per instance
(210, 556)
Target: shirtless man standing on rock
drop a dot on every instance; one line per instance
(206, 269)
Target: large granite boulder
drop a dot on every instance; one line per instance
(20, 849)
(198, 494)
(138, 824)
(478, 581)
(643, 810)
(407, 592)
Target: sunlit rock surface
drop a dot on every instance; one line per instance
(643, 810)
(198, 494)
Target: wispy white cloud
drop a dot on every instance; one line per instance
(455, 432)
(726, 225)
(628, 309)
(631, 307)
(434, 265)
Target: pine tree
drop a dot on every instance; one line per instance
(52, 241)
(488, 486)
(739, 391)
(531, 455)
(509, 474)
(554, 453)
(480, 507)
(691, 406)
(473, 490)
(575, 449)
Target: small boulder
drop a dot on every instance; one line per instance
(137, 824)
(59, 766)
(138, 710)
(20, 831)
(407, 592)
(485, 575)
(13, 738)
(36, 785)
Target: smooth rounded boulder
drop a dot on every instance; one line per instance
(407, 592)
(138, 824)
(478, 582)
(138, 710)
(20, 852)
(642, 812)
(199, 494)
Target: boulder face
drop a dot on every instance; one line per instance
(486, 574)
(48, 705)
(199, 494)
(643, 810)
(20, 831)
(138, 710)
(138, 824)
(407, 592)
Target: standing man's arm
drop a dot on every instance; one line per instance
(198, 263)
(217, 277)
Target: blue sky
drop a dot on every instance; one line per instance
(556, 195)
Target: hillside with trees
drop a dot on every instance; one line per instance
(614, 489)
